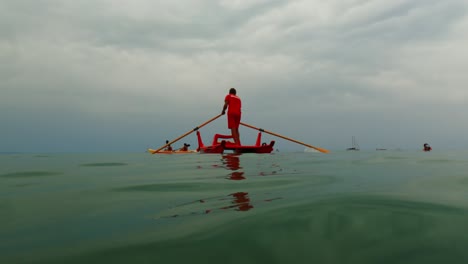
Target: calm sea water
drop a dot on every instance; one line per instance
(343, 207)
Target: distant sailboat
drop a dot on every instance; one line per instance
(355, 145)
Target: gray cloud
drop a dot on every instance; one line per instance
(294, 61)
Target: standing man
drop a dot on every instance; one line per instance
(233, 103)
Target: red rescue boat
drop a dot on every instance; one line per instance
(218, 147)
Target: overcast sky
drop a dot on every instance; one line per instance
(119, 75)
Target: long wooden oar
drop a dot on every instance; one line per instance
(152, 151)
(290, 139)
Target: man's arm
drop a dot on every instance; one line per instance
(226, 103)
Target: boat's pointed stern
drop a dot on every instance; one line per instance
(200, 141)
(259, 139)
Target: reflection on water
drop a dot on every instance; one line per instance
(241, 202)
(385, 207)
(238, 201)
(350, 229)
(27, 174)
(104, 164)
(232, 162)
(237, 176)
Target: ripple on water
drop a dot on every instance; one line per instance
(463, 181)
(41, 156)
(236, 201)
(104, 164)
(442, 161)
(252, 194)
(367, 229)
(29, 174)
(200, 186)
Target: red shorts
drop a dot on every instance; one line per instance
(233, 120)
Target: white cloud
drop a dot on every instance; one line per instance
(241, 4)
(179, 58)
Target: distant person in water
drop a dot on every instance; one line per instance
(168, 148)
(233, 104)
(185, 147)
(427, 147)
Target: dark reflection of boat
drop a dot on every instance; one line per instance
(241, 202)
(232, 162)
(238, 201)
(237, 176)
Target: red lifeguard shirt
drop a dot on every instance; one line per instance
(234, 104)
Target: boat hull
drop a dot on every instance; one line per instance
(220, 147)
(265, 148)
(214, 149)
(172, 152)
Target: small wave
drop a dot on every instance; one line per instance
(27, 174)
(200, 186)
(237, 201)
(165, 187)
(104, 164)
(443, 161)
(41, 156)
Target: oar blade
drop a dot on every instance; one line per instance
(322, 150)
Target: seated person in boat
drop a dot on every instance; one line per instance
(185, 147)
(168, 148)
(427, 147)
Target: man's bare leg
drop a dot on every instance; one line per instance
(235, 135)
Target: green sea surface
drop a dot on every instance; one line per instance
(342, 207)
